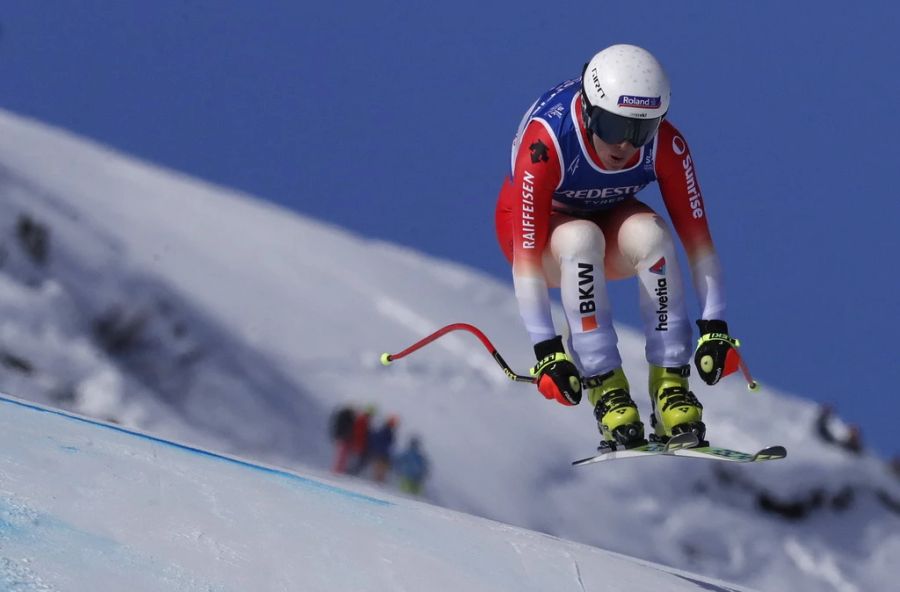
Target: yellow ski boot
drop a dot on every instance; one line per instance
(675, 408)
(617, 415)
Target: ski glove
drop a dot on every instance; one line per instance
(716, 355)
(555, 374)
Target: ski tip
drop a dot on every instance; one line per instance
(771, 453)
(385, 359)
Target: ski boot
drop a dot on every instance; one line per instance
(675, 409)
(617, 415)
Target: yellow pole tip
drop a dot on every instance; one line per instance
(386, 359)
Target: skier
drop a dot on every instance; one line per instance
(568, 217)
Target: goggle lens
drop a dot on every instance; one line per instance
(615, 129)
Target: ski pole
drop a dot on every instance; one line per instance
(387, 358)
(751, 384)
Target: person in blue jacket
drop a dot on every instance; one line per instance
(411, 467)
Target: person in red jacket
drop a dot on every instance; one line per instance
(358, 445)
(568, 216)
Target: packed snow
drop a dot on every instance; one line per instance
(94, 507)
(145, 297)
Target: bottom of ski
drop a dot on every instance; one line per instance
(687, 445)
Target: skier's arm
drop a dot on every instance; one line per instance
(537, 171)
(536, 174)
(715, 356)
(681, 193)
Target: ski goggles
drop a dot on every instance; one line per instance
(615, 129)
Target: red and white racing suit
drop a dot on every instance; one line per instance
(563, 220)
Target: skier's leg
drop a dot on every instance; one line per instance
(645, 243)
(575, 262)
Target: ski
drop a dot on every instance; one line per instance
(679, 442)
(687, 445)
(725, 454)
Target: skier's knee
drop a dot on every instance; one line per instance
(577, 239)
(644, 236)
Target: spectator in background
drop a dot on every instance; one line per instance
(358, 448)
(340, 430)
(381, 448)
(411, 467)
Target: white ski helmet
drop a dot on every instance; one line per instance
(625, 94)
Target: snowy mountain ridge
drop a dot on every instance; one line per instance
(203, 315)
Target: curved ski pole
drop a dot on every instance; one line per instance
(387, 358)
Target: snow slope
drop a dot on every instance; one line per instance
(171, 305)
(84, 506)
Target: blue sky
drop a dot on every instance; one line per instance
(394, 120)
